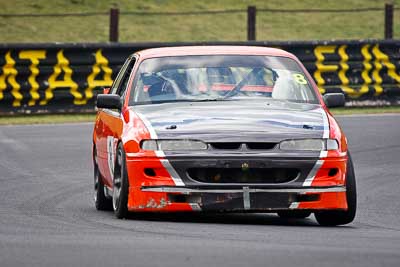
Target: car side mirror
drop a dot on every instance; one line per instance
(334, 100)
(106, 90)
(109, 101)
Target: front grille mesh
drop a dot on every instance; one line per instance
(243, 175)
(237, 145)
(227, 145)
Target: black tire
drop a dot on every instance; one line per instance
(333, 218)
(294, 214)
(120, 188)
(101, 202)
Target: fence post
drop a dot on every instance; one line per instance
(388, 21)
(251, 23)
(114, 17)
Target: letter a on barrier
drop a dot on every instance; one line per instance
(61, 66)
(101, 64)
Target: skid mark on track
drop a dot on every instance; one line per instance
(375, 149)
(12, 143)
(49, 205)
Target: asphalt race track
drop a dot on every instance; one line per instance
(47, 217)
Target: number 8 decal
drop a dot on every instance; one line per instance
(299, 78)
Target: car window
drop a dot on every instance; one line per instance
(220, 77)
(117, 81)
(121, 88)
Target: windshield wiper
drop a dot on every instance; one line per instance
(207, 99)
(180, 100)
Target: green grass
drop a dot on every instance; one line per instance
(220, 27)
(365, 110)
(46, 118)
(65, 118)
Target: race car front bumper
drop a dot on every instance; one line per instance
(253, 199)
(159, 191)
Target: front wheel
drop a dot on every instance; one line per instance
(120, 185)
(332, 218)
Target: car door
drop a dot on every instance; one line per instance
(110, 125)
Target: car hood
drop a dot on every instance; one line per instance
(233, 121)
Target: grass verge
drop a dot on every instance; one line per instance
(365, 110)
(46, 118)
(68, 118)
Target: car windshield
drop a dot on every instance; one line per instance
(219, 78)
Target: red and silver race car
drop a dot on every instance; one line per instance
(222, 129)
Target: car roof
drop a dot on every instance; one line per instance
(213, 50)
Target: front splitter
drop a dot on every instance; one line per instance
(246, 198)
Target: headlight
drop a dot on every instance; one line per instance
(309, 144)
(176, 145)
